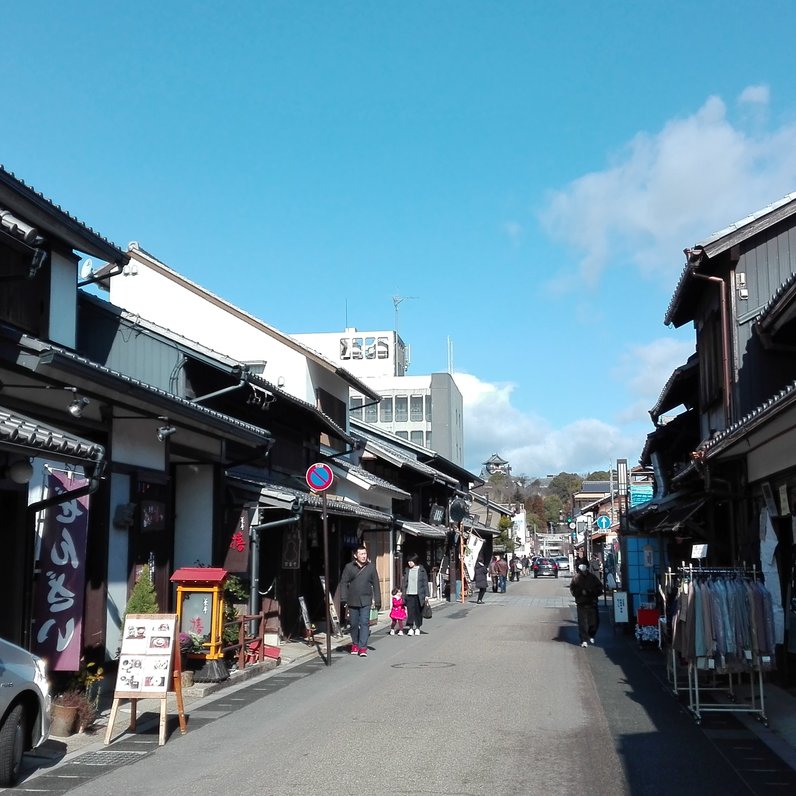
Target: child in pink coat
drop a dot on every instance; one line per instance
(397, 613)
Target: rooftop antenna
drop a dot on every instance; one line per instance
(396, 302)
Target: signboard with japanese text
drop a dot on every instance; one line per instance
(237, 557)
(145, 661)
(61, 583)
(620, 607)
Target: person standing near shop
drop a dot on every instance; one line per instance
(415, 588)
(586, 589)
(359, 589)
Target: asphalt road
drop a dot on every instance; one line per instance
(491, 699)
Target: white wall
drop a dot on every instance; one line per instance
(193, 515)
(63, 300)
(159, 298)
(118, 546)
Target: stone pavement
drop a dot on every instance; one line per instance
(780, 704)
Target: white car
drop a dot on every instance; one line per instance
(24, 708)
(563, 563)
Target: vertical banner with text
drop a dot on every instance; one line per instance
(58, 612)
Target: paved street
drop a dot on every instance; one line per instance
(492, 698)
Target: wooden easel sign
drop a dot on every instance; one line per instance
(148, 668)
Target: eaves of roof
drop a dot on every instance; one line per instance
(400, 459)
(53, 220)
(753, 420)
(678, 389)
(720, 242)
(215, 359)
(156, 265)
(34, 437)
(779, 308)
(423, 529)
(48, 357)
(312, 501)
(370, 478)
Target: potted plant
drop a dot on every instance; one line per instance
(77, 706)
(71, 711)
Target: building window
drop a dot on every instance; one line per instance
(370, 348)
(428, 408)
(417, 437)
(370, 413)
(385, 410)
(345, 348)
(428, 440)
(416, 408)
(382, 348)
(356, 407)
(356, 348)
(401, 409)
(402, 434)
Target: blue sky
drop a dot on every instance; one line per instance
(529, 172)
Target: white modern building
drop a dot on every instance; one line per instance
(426, 410)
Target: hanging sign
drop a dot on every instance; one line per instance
(62, 582)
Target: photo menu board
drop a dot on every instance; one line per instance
(145, 662)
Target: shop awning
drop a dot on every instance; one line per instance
(423, 529)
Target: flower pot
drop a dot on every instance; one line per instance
(64, 720)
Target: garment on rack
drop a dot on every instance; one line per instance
(724, 622)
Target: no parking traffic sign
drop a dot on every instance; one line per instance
(319, 477)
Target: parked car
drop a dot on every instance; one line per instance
(563, 563)
(545, 566)
(24, 708)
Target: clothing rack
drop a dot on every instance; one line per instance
(749, 660)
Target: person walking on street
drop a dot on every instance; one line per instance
(480, 580)
(359, 589)
(492, 572)
(586, 589)
(516, 566)
(415, 588)
(502, 569)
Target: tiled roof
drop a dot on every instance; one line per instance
(780, 298)
(758, 416)
(50, 354)
(25, 433)
(670, 397)
(216, 358)
(79, 235)
(271, 331)
(393, 455)
(725, 238)
(369, 477)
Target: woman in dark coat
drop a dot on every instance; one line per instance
(480, 580)
(414, 585)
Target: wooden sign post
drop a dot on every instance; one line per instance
(148, 668)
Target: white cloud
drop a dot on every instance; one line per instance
(528, 442)
(668, 190)
(759, 95)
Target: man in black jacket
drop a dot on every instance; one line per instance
(586, 589)
(359, 589)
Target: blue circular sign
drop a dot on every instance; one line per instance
(319, 477)
(603, 522)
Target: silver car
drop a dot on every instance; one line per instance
(24, 708)
(563, 563)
